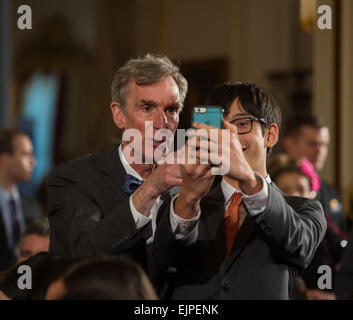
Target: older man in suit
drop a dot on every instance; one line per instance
(252, 240)
(108, 202)
(16, 210)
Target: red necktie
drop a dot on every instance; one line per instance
(232, 220)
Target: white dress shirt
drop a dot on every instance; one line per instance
(256, 203)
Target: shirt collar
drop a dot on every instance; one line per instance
(126, 165)
(6, 195)
(228, 190)
(268, 179)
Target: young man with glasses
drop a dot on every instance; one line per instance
(252, 240)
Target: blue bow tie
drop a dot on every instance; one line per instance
(131, 184)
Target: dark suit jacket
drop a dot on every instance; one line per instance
(31, 210)
(88, 211)
(343, 285)
(329, 252)
(268, 253)
(331, 201)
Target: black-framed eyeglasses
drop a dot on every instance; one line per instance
(244, 124)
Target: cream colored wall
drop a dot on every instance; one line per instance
(198, 29)
(323, 86)
(346, 129)
(264, 37)
(148, 15)
(256, 36)
(80, 15)
(183, 29)
(324, 103)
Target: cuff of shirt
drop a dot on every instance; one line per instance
(140, 219)
(181, 227)
(256, 203)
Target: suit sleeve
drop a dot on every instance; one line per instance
(295, 225)
(78, 226)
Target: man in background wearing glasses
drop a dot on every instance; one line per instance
(252, 240)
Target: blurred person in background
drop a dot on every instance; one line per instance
(307, 136)
(102, 278)
(34, 239)
(298, 178)
(16, 210)
(294, 177)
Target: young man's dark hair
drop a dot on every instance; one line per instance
(254, 100)
(7, 137)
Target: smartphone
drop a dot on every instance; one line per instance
(210, 115)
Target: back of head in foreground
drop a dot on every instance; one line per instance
(45, 267)
(103, 278)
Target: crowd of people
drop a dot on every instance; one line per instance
(121, 229)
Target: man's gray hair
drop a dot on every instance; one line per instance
(146, 71)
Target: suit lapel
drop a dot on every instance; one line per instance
(212, 213)
(4, 246)
(113, 172)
